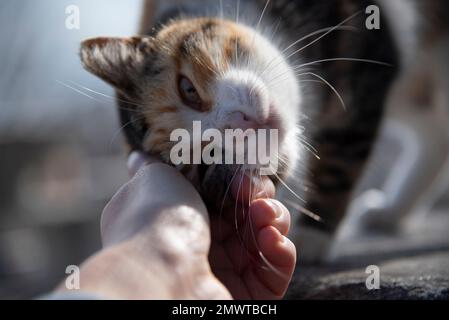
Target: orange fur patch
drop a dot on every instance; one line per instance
(199, 49)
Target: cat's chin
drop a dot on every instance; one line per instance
(214, 184)
(218, 184)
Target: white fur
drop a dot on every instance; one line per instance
(252, 88)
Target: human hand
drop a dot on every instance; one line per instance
(250, 252)
(160, 244)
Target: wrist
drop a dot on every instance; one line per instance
(137, 270)
(117, 272)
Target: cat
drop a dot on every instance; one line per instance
(417, 116)
(310, 69)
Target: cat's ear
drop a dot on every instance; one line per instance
(118, 61)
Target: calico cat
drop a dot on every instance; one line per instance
(310, 69)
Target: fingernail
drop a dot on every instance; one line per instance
(258, 191)
(277, 210)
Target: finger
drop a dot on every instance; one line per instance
(278, 249)
(257, 289)
(264, 213)
(280, 253)
(245, 188)
(239, 224)
(143, 200)
(270, 212)
(138, 159)
(238, 253)
(235, 214)
(229, 222)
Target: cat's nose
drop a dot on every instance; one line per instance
(244, 121)
(244, 100)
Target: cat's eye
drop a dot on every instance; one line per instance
(189, 94)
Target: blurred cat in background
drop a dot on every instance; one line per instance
(417, 118)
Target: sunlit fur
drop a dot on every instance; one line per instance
(235, 70)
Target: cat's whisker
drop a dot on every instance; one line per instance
(251, 91)
(329, 85)
(267, 264)
(279, 78)
(104, 95)
(236, 224)
(97, 100)
(296, 206)
(265, 66)
(247, 220)
(288, 72)
(119, 130)
(91, 97)
(78, 91)
(310, 80)
(275, 29)
(281, 160)
(382, 63)
(303, 210)
(310, 148)
(264, 186)
(262, 15)
(302, 138)
(300, 168)
(250, 188)
(340, 28)
(324, 35)
(239, 235)
(257, 29)
(288, 187)
(301, 181)
(330, 29)
(220, 231)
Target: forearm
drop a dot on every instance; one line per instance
(167, 260)
(155, 246)
(120, 272)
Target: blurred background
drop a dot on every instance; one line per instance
(61, 159)
(61, 155)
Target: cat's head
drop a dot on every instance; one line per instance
(221, 73)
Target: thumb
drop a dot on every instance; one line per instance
(138, 159)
